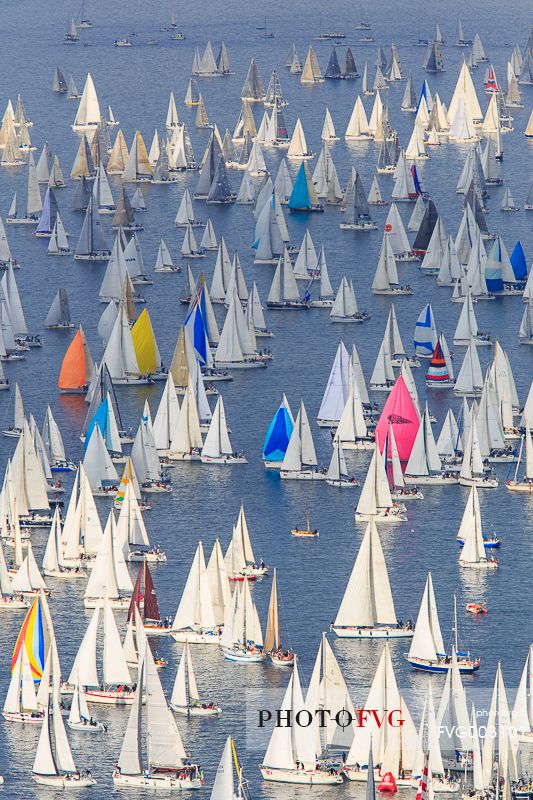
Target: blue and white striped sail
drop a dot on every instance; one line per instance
(425, 337)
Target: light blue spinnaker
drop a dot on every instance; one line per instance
(278, 434)
(300, 198)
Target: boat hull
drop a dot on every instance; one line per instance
(25, 718)
(391, 519)
(516, 486)
(85, 727)
(165, 782)
(372, 633)
(309, 777)
(109, 697)
(241, 657)
(64, 781)
(465, 668)
(302, 475)
(118, 602)
(195, 637)
(430, 480)
(359, 444)
(480, 483)
(196, 711)
(224, 460)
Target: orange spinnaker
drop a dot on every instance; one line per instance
(72, 375)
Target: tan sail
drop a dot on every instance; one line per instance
(272, 629)
(119, 155)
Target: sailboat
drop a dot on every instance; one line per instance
(344, 307)
(375, 500)
(217, 447)
(300, 462)
(525, 485)
(21, 701)
(164, 262)
(195, 617)
(167, 766)
(185, 698)
(54, 563)
(393, 747)
(440, 370)
(280, 656)
(337, 473)
(308, 531)
(144, 599)
(239, 560)
(284, 292)
(242, 637)
(115, 688)
(34, 205)
(277, 436)
(80, 719)
(424, 465)
(88, 114)
(109, 578)
(427, 650)
(291, 756)
(57, 768)
(473, 554)
(367, 607)
(224, 786)
(15, 430)
(522, 715)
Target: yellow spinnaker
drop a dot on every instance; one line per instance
(144, 343)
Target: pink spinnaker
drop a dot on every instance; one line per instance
(400, 411)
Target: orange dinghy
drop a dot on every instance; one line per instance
(77, 367)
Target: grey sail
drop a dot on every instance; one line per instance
(59, 313)
(209, 165)
(220, 189)
(82, 195)
(59, 83)
(92, 242)
(253, 86)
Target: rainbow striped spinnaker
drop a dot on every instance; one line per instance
(32, 633)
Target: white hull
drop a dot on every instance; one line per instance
(119, 602)
(361, 775)
(240, 364)
(309, 777)
(359, 444)
(341, 483)
(157, 630)
(193, 637)
(64, 573)
(372, 633)
(381, 517)
(480, 483)
(480, 565)
(196, 711)
(526, 737)
(23, 717)
(165, 782)
(429, 480)
(109, 697)
(302, 475)
(64, 781)
(7, 603)
(85, 727)
(228, 459)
